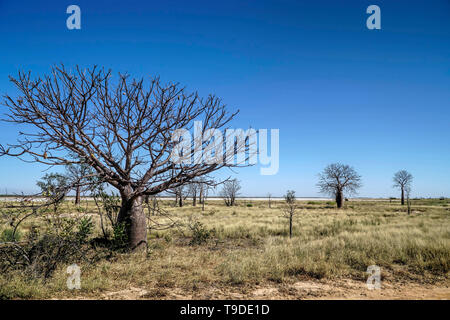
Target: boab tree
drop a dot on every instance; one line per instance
(123, 128)
(229, 191)
(402, 180)
(337, 179)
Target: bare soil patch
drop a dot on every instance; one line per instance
(300, 290)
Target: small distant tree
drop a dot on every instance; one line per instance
(180, 195)
(402, 180)
(202, 192)
(205, 184)
(229, 191)
(408, 201)
(290, 209)
(78, 175)
(269, 196)
(54, 186)
(204, 189)
(337, 179)
(193, 189)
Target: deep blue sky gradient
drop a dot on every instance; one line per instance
(375, 99)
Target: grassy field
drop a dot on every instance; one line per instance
(245, 252)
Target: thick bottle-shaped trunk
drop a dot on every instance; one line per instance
(339, 199)
(78, 195)
(403, 196)
(133, 216)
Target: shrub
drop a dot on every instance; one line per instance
(54, 186)
(65, 241)
(85, 228)
(120, 236)
(200, 234)
(210, 212)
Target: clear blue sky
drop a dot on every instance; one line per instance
(375, 99)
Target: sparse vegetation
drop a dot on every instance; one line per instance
(251, 248)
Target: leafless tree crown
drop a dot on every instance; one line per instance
(402, 179)
(338, 177)
(230, 190)
(121, 128)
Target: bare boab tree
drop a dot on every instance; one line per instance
(402, 180)
(229, 191)
(122, 128)
(337, 179)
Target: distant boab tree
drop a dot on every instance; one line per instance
(402, 180)
(229, 191)
(338, 179)
(121, 127)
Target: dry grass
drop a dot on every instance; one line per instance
(250, 246)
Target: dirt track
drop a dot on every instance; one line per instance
(310, 289)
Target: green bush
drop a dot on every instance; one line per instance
(64, 241)
(85, 228)
(200, 234)
(7, 235)
(120, 236)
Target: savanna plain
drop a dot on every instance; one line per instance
(238, 252)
